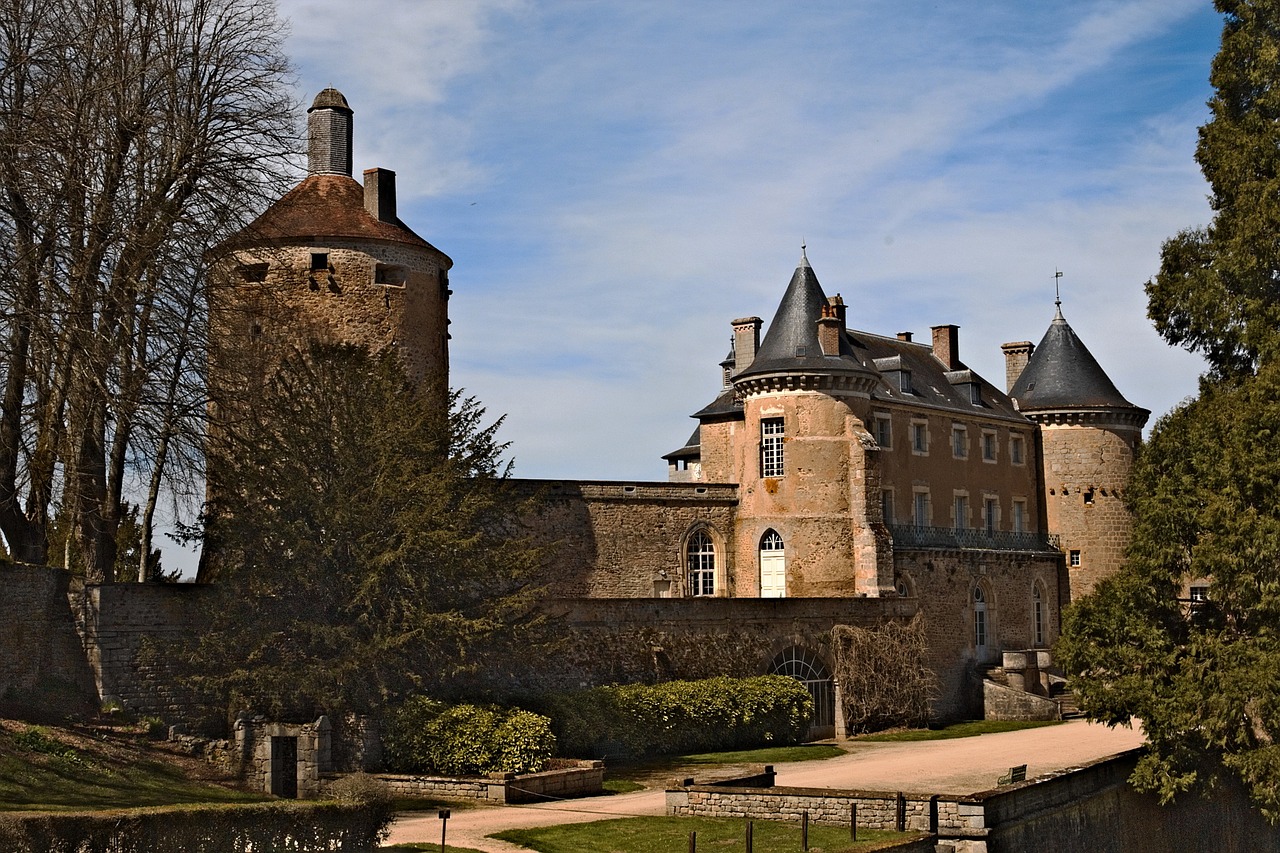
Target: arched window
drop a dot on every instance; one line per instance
(980, 620)
(1037, 615)
(773, 566)
(701, 560)
(904, 586)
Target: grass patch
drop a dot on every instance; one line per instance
(623, 777)
(969, 729)
(766, 755)
(40, 771)
(665, 834)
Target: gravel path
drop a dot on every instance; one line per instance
(959, 766)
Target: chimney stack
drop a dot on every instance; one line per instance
(1016, 356)
(904, 336)
(830, 328)
(946, 346)
(746, 340)
(380, 194)
(329, 135)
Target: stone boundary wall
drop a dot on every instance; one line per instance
(113, 621)
(41, 659)
(1086, 809)
(584, 780)
(1005, 703)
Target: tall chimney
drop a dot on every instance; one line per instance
(329, 135)
(829, 330)
(380, 194)
(946, 346)
(904, 336)
(1016, 356)
(746, 340)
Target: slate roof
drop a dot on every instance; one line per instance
(1063, 374)
(330, 99)
(322, 207)
(791, 342)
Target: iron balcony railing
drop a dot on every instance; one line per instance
(911, 536)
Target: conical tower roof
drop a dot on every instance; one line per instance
(1063, 375)
(791, 343)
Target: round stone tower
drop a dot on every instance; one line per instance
(1089, 434)
(330, 261)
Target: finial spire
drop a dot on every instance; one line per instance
(804, 255)
(1057, 294)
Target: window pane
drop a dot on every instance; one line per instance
(771, 438)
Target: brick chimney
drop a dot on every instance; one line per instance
(829, 328)
(380, 194)
(746, 340)
(1016, 356)
(904, 336)
(946, 346)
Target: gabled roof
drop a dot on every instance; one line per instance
(321, 207)
(1063, 374)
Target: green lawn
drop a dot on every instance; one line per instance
(40, 771)
(623, 777)
(969, 729)
(667, 834)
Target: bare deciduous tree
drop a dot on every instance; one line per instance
(135, 135)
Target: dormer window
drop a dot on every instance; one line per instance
(904, 382)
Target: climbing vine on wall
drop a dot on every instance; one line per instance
(883, 679)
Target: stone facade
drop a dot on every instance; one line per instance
(42, 662)
(586, 779)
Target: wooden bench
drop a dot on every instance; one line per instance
(1015, 774)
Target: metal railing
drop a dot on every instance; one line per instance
(911, 536)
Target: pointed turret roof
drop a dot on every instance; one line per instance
(791, 342)
(1063, 374)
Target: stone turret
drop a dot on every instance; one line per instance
(1089, 435)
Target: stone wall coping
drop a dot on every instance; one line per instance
(825, 793)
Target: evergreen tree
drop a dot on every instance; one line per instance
(365, 543)
(1204, 677)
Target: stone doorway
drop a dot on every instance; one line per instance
(284, 767)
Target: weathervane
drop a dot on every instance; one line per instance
(1057, 295)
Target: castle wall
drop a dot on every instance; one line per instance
(627, 540)
(943, 583)
(116, 620)
(41, 659)
(1086, 469)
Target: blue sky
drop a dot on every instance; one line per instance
(616, 181)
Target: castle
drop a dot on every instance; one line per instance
(838, 477)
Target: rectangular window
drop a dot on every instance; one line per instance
(904, 382)
(961, 511)
(886, 505)
(1073, 559)
(919, 437)
(988, 446)
(1038, 616)
(990, 514)
(1015, 449)
(319, 260)
(959, 442)
(1019, 516)
(1200, 593)
(884, 432)
(254, 272)
(921, 509)
(980, 627)
(772, 434)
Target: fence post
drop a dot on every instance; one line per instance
(901, 821)
(853, 821)
(750, 828)
(804, 830)
(693, 842)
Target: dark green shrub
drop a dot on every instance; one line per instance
(423, 736)
(680, 716)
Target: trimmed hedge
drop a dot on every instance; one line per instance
(424, 736)
(294, 826)
(679, 717)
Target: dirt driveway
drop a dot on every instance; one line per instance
(959, 766)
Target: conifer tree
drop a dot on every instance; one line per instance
(1204, 676)
(366, 545)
